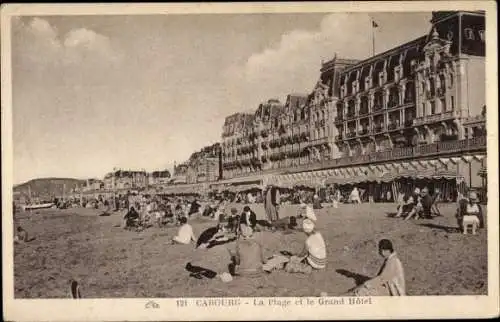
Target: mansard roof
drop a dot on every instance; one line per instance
(416, 43)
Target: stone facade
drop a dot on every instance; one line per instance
(428, 90)
(125, 179)
(418, 93)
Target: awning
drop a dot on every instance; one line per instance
(352, 179)
(241, 188)
(184, 189)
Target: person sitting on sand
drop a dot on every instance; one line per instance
(194, 208)
(248, 257)
(21, 236)
(407, 202)
(286, 224)
(316, 202)
(417, 208)
(314, 254)
(131, 218)
(248, 218)
(185, 234)
(390, 280)
(306, 212)
(470, 207)
(426, 202)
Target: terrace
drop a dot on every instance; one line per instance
(456, 147)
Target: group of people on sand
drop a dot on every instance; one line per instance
(248, 259)
(422, 205)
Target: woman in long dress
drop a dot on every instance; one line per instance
(271, 203)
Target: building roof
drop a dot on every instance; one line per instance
(408, 45)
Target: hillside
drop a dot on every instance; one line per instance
(48, 187)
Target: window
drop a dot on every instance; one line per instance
(443, 105)
(469, 34)
(481, 35)
(452, 103)
(433, 108)
(424, 112)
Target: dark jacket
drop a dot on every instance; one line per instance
(273, 191)
(252, 219)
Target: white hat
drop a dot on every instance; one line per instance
(310, 214)
(417, 190)
(473, 196)
(308, 226)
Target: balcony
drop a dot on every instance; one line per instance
(363, 112)
(428, 119)
(477, 144)
(392, 104)
(363, 132)
(350, 115)
(378, 129)
(409, 123)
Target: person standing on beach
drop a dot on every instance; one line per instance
(271, 203)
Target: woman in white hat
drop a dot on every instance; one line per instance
(314, 254)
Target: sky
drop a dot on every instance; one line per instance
(91, 93)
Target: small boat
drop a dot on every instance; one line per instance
(39, 206)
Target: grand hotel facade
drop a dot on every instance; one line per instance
(422, 98)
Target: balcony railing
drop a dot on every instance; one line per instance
(363, 112)
(378, 129)
(351, 134)
(477, 144)
(363, 132)
(434, 118)
(393, 126)
(350, 115)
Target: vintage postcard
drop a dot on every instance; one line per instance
(250, 161)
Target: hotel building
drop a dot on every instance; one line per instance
(409, 100)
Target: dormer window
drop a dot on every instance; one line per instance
(469, 34)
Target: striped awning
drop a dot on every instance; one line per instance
(308, 179)
(184, 189)
(352, 179)
(241, 188)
